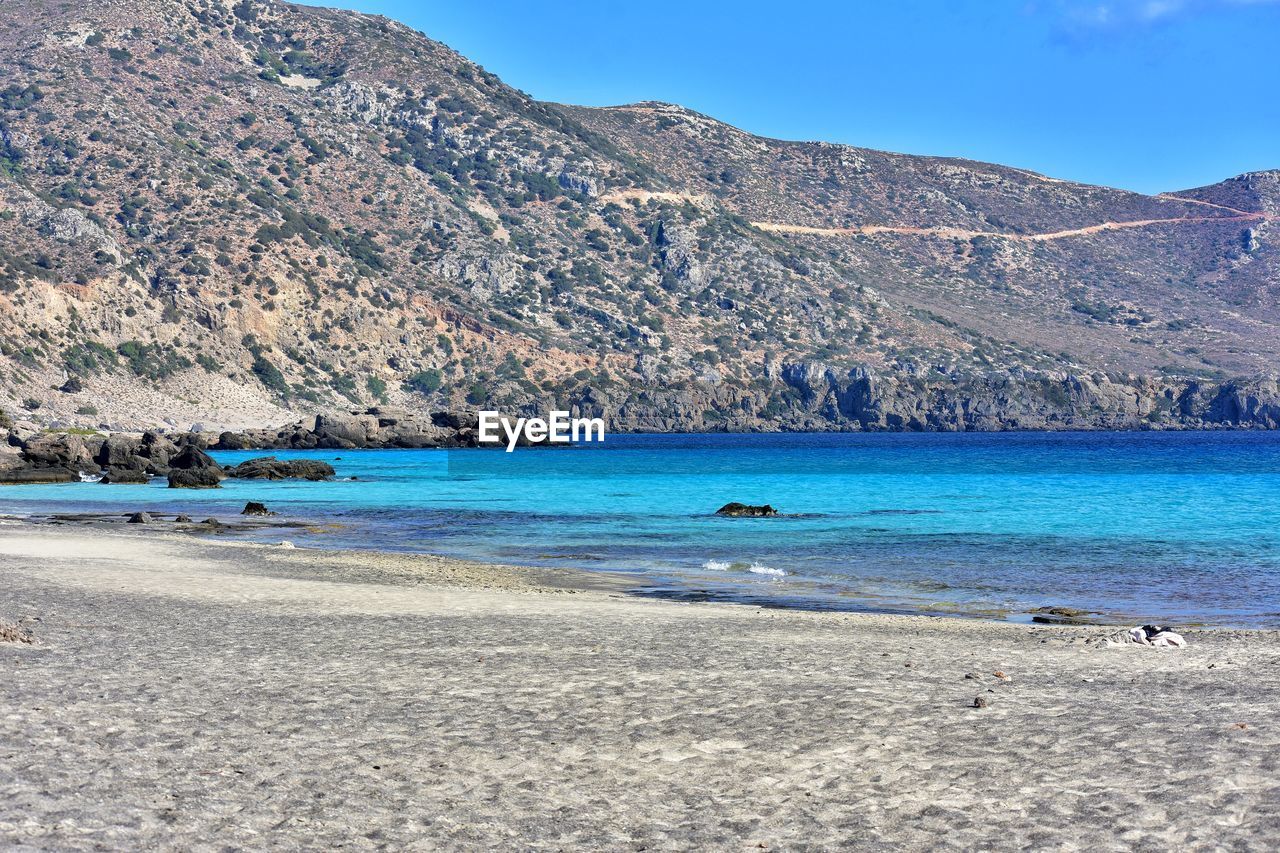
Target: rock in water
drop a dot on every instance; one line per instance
(182, 519)
(125, 476)
(24, 476)
(739, 510)
(192, 458)
(200, 478)
(270, 468)
(255, 508)
(139, 518)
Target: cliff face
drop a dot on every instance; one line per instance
(232, 213)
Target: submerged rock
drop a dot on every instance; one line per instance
(1063, 616)
(740, 510)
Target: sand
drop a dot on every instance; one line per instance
(182, 694)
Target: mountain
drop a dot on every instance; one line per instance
(233, 212)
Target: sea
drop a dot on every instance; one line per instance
(1176, 527)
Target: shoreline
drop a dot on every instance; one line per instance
(197, 693)
(255, 533)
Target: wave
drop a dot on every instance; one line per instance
(757, 569)
(716, 565)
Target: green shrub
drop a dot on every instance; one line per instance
(152, 361)
(425, 381)
(269, 375)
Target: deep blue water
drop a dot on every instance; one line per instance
(1176, 526)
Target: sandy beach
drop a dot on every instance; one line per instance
(184, 694)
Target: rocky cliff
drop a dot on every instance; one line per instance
(236, 213)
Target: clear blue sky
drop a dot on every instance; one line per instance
(1144, 94)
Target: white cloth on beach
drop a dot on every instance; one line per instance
(1165, 638)
(1147, 635)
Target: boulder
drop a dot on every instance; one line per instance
(58, 451)
(125, 476)
(232, 441)
(740, 510)
(344, 430)
(192, 458)
(255, 508)
(195, 478)
(271, 468)
(182, 519)
(139, 518)
(118, 451)
(158, 449)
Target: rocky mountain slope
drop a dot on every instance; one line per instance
(232, 212)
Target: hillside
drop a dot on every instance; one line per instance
(230, 213)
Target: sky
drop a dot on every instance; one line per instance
(1148, 95)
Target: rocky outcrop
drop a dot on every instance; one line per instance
(378, 427)
(815, 397)
(34, 457)
(271, 468)
(192, 468)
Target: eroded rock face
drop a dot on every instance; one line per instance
(59, 451)
(32, 476)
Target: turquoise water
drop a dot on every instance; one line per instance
(1174, 526)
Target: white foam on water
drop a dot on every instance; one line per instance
(716, 565)
(757, 569)
(90, 478)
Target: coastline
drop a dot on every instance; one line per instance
(195, 692)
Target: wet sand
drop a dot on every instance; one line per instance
(189, 694)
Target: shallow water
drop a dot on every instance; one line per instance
(1173, 526)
